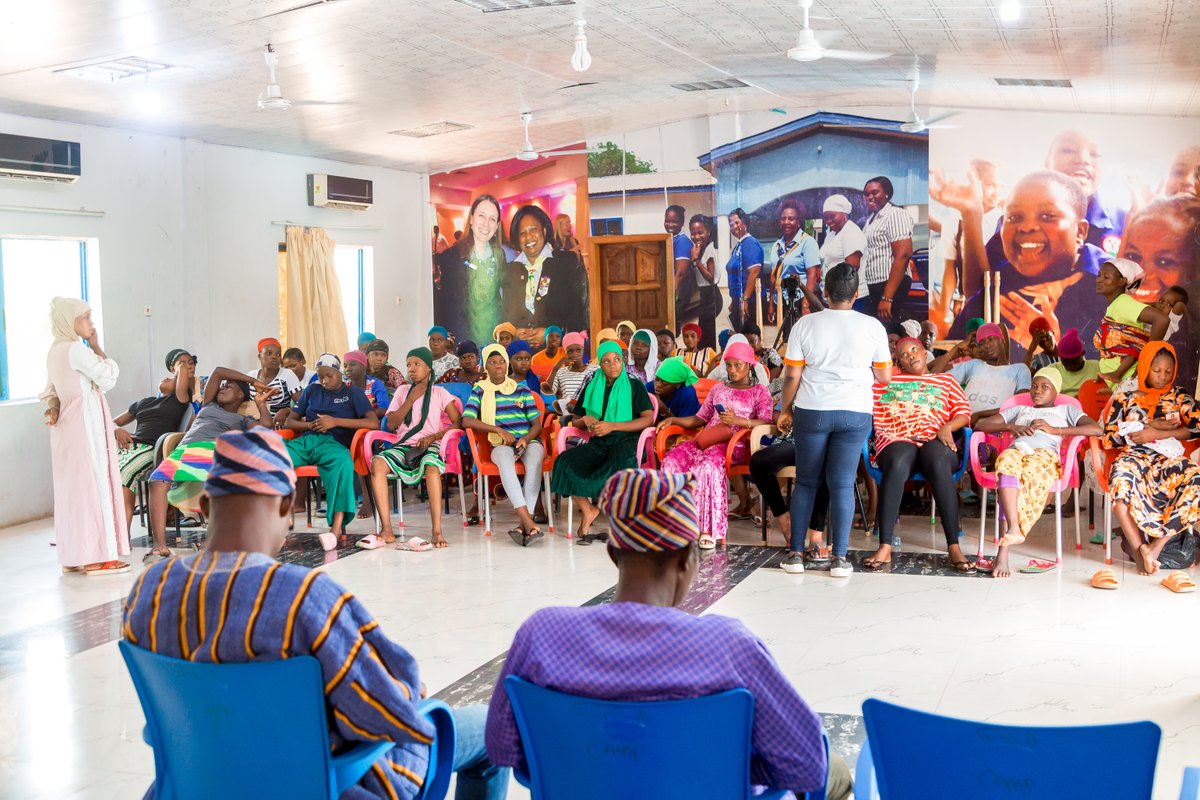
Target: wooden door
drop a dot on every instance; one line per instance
(630, 280)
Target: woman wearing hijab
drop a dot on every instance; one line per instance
(89, 512)
(1128, 324)
(504, 333)
(720, 373)
(420, 415)
(506, 411)
(1155, 489)
(742, 401)
(672, 385)
(616, 409)
(519, 358)
(643, 356)
(625, 330)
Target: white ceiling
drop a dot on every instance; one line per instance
(405, 63)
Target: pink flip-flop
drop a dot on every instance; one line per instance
(370, 542)
(328, 541)
(415, 544)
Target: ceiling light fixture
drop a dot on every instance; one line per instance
(149, 103)
(1009, 10)
(581, 59)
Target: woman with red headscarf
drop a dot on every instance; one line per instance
(1155, 489)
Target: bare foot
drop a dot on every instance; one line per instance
(586, 519)
(388, 536)
(439, 541)
(1002, 570)
(1147, 564)
(364, 514)
(1012, 537)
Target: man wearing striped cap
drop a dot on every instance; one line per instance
(643, 647)
(233, 602)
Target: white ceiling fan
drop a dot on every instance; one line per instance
(914, 123)
(272, 99)
(808, 48)
(527, 153)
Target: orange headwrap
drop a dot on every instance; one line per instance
(269, 340)
(1149, 397)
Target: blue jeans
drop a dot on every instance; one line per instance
(828, 447)
(476, 777)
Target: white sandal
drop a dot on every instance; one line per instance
(370, 542)
(707, 542)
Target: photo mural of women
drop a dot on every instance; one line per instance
(468, 277)
(542, 285)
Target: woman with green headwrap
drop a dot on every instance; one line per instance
(418, 416)
(616, 409)
(672, 385)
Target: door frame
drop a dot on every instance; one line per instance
(595, 311)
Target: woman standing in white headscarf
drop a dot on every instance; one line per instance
(89, 513)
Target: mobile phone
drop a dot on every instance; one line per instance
(720, 407)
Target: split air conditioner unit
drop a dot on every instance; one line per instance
(32, 159)
(332, 191)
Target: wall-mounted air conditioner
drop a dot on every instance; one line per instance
(333, 191)
(32, 159)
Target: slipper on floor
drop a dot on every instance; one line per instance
(1105, 579)
(518, 536)
(1179, 582)
(69, 570)
(963, 567)
(370, 542)
(1097, 538)
(707, 543)
(875, 565)
(588, 538)
(985, 565)
(533, 536)
(416, 545)
(108, 568)
(328, 541)
(1036, 567)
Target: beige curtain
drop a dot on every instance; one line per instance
(315, 322)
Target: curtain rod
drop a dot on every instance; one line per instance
(335, 227)
(74, 212)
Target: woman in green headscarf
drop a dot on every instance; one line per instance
(616, 409)
(672, 385)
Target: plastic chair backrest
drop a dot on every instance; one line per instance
(964, 462)
(208, 724)
(589, 749)
(703, 386)
(987, 761)
(460, 390)
(1093, 396)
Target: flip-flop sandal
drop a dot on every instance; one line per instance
(518, 536)
(818, 555)
(533, 536)
(328, 541)
(370, 542)
(707, 543)
(69, 570)
(963, 567)
(473, 519)
(1036, 567)
(985, 565)
(108, 568)
(415, 545)
(1179, 582)
(588, 538)
(1105, 579)
(1097, 538)
(874, 565)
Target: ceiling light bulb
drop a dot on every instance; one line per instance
(581, 59)
(1010, 10)
(149, 103)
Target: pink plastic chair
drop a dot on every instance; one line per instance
(645, 454)
(450, 454)
(1069, 474)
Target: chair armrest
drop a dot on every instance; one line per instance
(645, 448)
(286, 433)
(962, 466)
(756, 436)
(374, 437)
(973, 443)
(564, 433)
(744, 433)
(1070, 460)
(1098, 462)
(451, 454)
(348, 768)
(864, 775)
(441, 756)
(660, 440)
(1191, 784)
(362, 464)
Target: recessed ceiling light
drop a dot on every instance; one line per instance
(1009, 10)
(148, 103)
(488, 6)
(119, 69)
(432, 129)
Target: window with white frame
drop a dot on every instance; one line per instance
(355, 270)
(33, 271)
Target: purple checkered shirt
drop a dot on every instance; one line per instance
(637, 652)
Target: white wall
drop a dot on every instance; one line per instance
(187, 230)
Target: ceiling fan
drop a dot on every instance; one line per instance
(914, 123)
(808, 48)
(272, 99)
(527, 153)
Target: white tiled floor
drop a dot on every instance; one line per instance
(1042, 649)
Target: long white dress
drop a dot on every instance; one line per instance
(89, 511)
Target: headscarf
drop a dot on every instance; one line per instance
(1051, 374)
(607, 333)
(974, 324)
(549, 330)
(175, 355)
(266, 341)
(723, 337)
(649, 338)
(357, 356)
(620, 397)
(1070, 345)
(504, 326)
(741, 351)
(573, 338)
(911, 328)
(329, 360)
(364, 338)
(250, 462)
(376, 346)
(691, 326)
(837, 203)
(438, 329)
(676, 370)
(626, 323)
(1131, 271)
(466, 346)
(650, 511)
(1150, 398)
(425, 355)
(63, 313)
(518, 346)
(487, 402)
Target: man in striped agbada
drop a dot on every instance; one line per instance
(233, 602)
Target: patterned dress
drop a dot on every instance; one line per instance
(1163, 494)
(708, 465)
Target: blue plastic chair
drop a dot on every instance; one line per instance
(218, 729)
(914, 755)
(459, 389)
(586, 749)
(877, 474)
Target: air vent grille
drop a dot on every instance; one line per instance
(1044, 83)
(432, 129)
(710, 86)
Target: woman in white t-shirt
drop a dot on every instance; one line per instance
(832, 360)
(844, 240)
(272, 373)
(704, 269)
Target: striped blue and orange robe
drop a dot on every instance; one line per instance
(237, 607)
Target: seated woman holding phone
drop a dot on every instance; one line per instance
(740, 402)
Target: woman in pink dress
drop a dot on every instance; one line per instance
(89, 512)
(740, 402)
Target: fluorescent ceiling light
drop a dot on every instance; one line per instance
(1009, 10)
(119, 69)
(1043, 83)
(488, 6)
(709, 86)
(432, 129)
